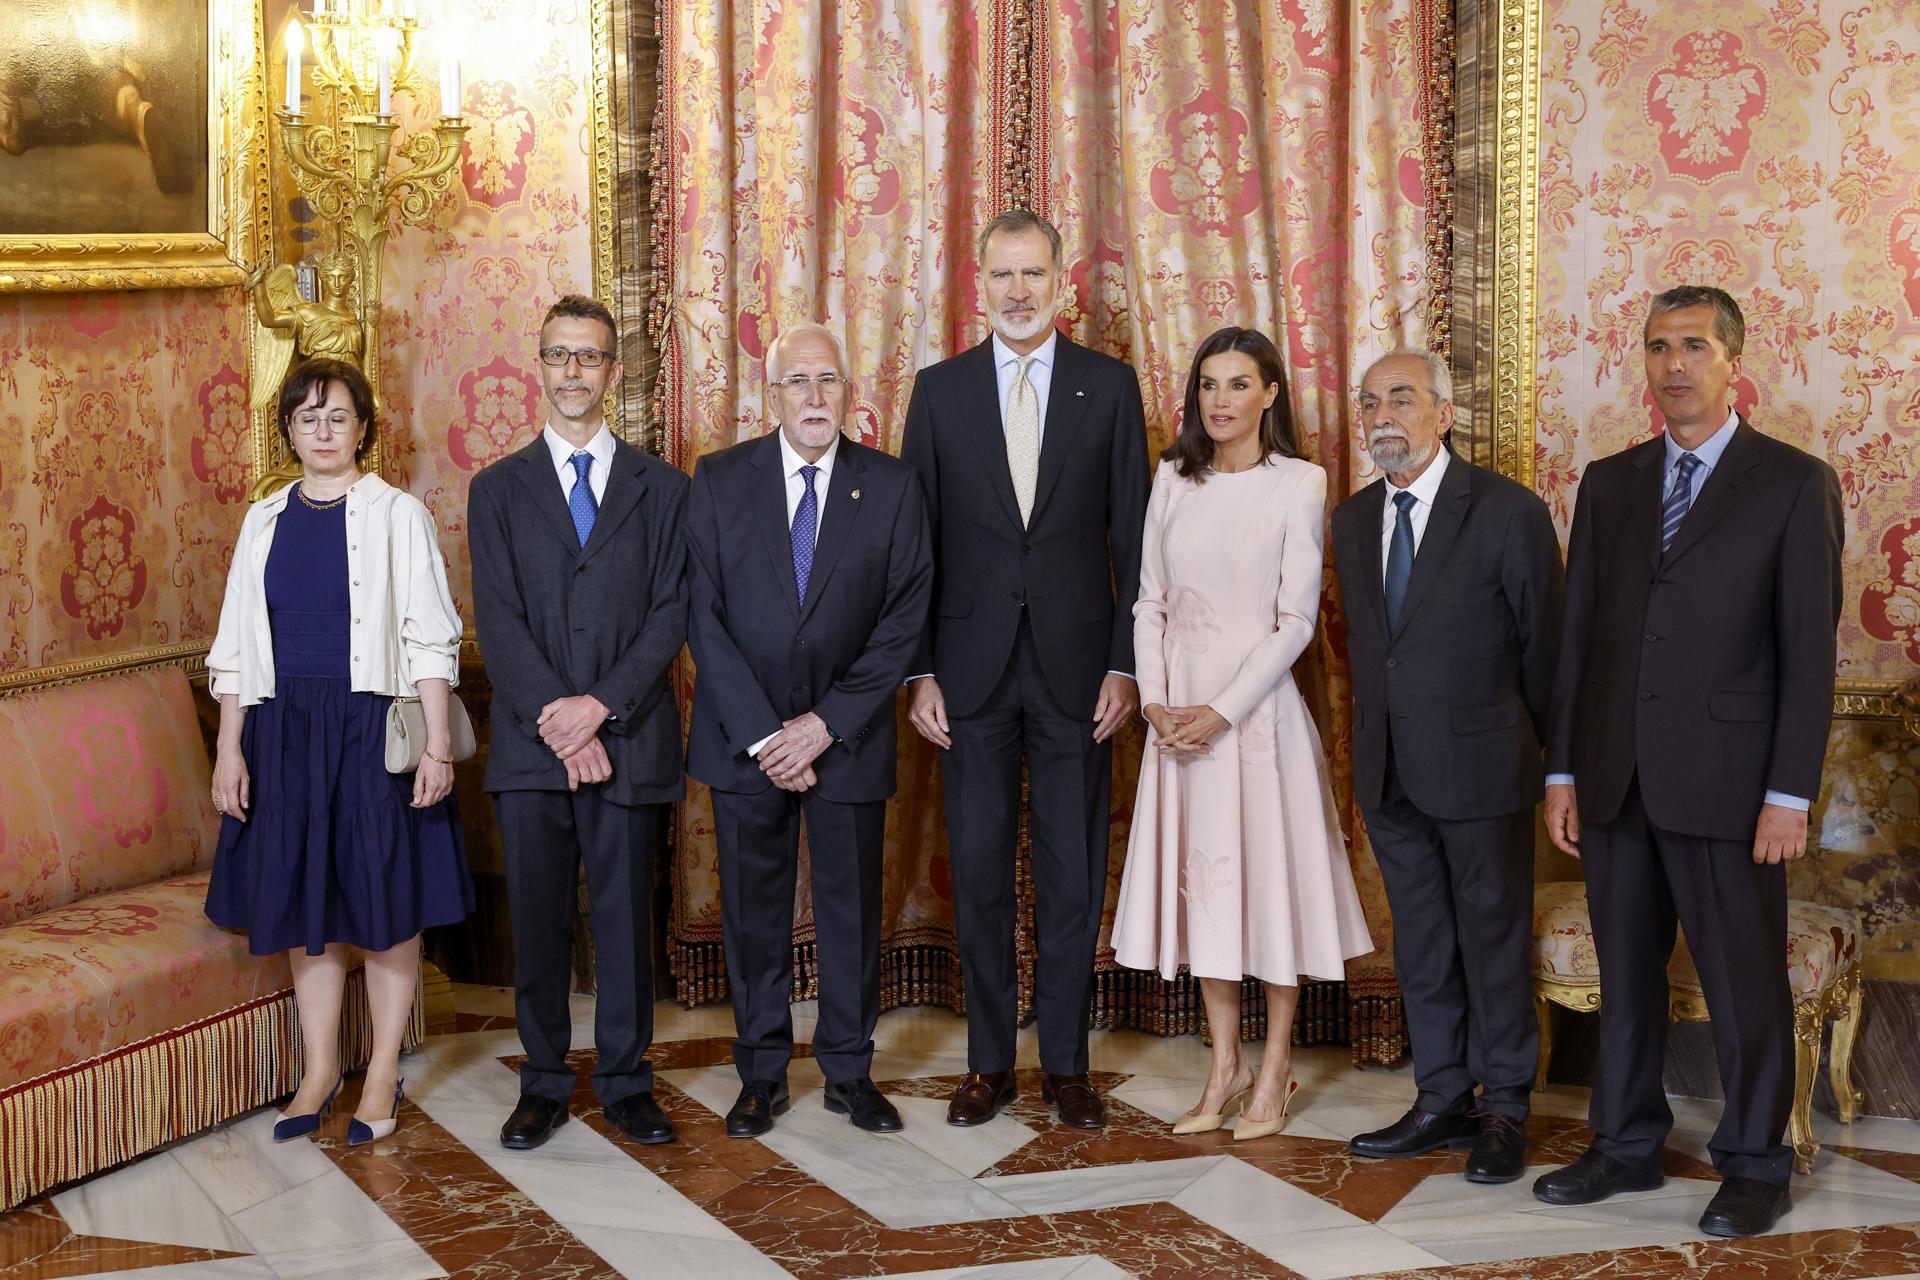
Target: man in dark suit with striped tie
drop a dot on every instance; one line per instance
(579, 566)
(810, 577)
(1689, 727)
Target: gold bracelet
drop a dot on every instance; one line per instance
(436, 759)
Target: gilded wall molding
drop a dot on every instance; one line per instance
(191, 654)
(1516, 163)
(600, 175)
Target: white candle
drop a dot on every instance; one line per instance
(296, 41)
(319, 8)
(449, 86)
(385, 41)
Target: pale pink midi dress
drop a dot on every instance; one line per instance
(1236, 865)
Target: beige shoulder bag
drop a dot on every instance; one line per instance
(407, 720)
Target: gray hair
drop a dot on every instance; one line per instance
(1729, 324)
(1015, 222)
(777, 352)
(1439, 373)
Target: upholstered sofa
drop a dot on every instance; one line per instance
(126, 1019)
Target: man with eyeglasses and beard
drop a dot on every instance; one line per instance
(809, 581)
(1453, 588)
(579, 564)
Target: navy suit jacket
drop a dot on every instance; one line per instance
(763, 658)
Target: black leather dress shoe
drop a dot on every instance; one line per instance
(1745, 1207)
(1500, 1151)
(753, 1111)
(533, 1121)
(1594, 1176)
(860, 1102)
(639, 1117)
(1414, 1134)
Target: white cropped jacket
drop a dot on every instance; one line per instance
(400, 634)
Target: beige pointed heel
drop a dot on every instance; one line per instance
(1247, 1130)
(1191, 1123)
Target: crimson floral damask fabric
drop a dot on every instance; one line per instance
(1765, 147)
(1265, 172)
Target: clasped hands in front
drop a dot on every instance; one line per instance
(570, 727)
(1188, 729)
(787, 758)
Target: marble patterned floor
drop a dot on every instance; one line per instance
(1021, 1198)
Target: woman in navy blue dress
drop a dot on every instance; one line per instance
(336, 603)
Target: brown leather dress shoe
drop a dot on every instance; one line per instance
(1079, 1105)
(980, 1097)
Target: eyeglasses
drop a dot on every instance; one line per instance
(589, 357)
(338, 422)
(798, 383)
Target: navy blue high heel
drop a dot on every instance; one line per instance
(287, 1126)
(360, 1133)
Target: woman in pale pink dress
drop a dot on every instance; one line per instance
(1237, 865)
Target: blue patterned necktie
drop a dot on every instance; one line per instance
(806, 518)
(580, 501)
(1679, 498)
(1400, 556)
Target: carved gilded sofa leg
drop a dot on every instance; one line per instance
(1843, 1007)
(1808, 1018)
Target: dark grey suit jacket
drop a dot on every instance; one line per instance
(1464, 683)
(556, 619)
(762, 657)
(1075, 567)
(1708, 670)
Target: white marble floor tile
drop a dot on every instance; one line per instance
(214, 1269)
(1335, 1252)
(153, 1200)
(377, 1260)
(1102, 1186)
(1875, 1133)
(913, 1065)
(324, 1213)
(1160, 1097)
(969, 1151)
(662, 1255)
(715, 1088)
(1084, 1266)
(239, 1164)
(606, 1195)
(931, 1204)
(1341, 1120)
(1245, 1202)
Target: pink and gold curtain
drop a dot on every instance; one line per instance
(832, 163)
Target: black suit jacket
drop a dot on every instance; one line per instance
(762, 657)
(1708, 669)
(1464, 683)
(556, 619)
(1076, 566)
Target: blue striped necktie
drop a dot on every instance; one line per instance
(1399, 556)
(1679, 498)
(580, 501)
(806, 518)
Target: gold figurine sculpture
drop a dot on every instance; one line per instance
(290, 325)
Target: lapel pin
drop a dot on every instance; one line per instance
(1080, 393)
(854, 494)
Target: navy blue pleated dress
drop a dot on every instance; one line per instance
(332, 849)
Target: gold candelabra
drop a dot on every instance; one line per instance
(364, 51)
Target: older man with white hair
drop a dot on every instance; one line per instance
(811, 573)
(1452, 581)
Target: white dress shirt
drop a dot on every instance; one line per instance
(790, 463)
(1709, 453)
(601, 447)
(1423, 490)
(1006, 367)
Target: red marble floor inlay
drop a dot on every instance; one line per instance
(37, 1244)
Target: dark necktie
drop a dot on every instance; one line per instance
(806, 518)
(1679, 498)
(1399, 556)
(580, 500)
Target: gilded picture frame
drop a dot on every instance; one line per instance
(232, 169)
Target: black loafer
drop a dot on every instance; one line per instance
(1414, 1134)
(860, 1102)
(753, 1111)
(1594, 1176)
(1500, 1152)
(639, 1117)
(1745, 1207)
(533, 1121)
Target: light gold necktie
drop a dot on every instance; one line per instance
(1023, 439)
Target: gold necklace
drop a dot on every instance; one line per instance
(300, 492)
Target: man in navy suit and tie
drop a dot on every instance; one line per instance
(1690, 717)
(811, 573)
(579, 591)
